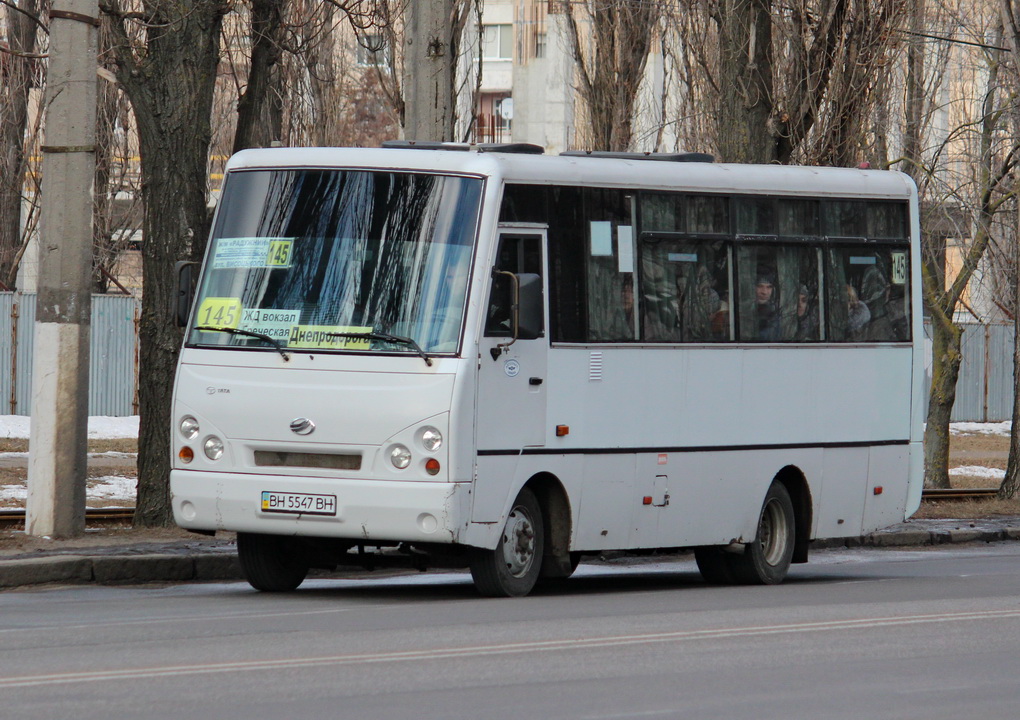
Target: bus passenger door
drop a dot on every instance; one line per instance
(512, 375)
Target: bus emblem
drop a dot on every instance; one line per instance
(302, 426)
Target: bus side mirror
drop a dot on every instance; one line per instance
(530, 311)
(184, 292)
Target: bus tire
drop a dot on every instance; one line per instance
(766, 559)
(714, 565)
(512, 569)
(271, 563)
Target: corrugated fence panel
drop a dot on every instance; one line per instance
(970, 388)
(112, 367)
(984, 390)
(1000, 372)
(26, 341)
(113, 339)
(6, 343)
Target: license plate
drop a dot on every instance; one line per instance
(298, 503)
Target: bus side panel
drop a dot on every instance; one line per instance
(608, 499)
(839, 508)
(888, 480)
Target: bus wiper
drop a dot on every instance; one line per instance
(249, 333)
(386, 337)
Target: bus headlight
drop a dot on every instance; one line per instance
(189, 427)
(431, 438)
(213, 447)
(400, 456)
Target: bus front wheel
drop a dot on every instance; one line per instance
(766, 559)
(271, 563)
(512, 569)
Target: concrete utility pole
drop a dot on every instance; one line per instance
(57, 465)
(429, 69)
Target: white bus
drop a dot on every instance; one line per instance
(490, 358)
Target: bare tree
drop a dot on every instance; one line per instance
(1010, 487)
(962, 173)
(167, 54)
(790, 82)
(20, 71)
(610, 41)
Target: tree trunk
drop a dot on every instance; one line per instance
(1010, 487)
(946, 339)
(744, 129)
(260, 108)
(171, 90)
(17, 73)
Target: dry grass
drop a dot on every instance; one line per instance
(127, 445)
(973, 450)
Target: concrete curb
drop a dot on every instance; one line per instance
(106, 568)
(118, 569)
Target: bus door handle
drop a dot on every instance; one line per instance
(534, 381)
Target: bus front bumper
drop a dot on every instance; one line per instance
(366, 510)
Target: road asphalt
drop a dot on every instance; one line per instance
(111, 557)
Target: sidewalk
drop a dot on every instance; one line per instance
(128, 556)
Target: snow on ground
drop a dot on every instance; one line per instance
(978, 471)
(107, 428)
(973, 428)
(107, 488)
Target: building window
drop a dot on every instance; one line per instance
(497, 42)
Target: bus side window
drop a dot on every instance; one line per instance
(875, 307)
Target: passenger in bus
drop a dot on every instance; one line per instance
(807, 316)
(698, 306)
(875, 294)
(767, 308)
(858, 315)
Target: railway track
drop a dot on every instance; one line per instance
(959, 494)
(94, 518)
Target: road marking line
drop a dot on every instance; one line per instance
(489, 650)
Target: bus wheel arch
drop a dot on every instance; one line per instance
(800, 494)
(557, 561)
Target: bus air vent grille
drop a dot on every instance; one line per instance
(327, 461)
(595, 367)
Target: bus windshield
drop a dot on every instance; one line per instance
(339, 260)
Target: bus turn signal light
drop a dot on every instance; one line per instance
(432, 466)
(562, 430)
(877, 490)
(186, 454)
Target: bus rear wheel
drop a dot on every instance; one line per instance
(766, 559)
(271, 563)
(512, 569)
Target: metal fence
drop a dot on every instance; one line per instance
(984, 392)
(113, 367)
